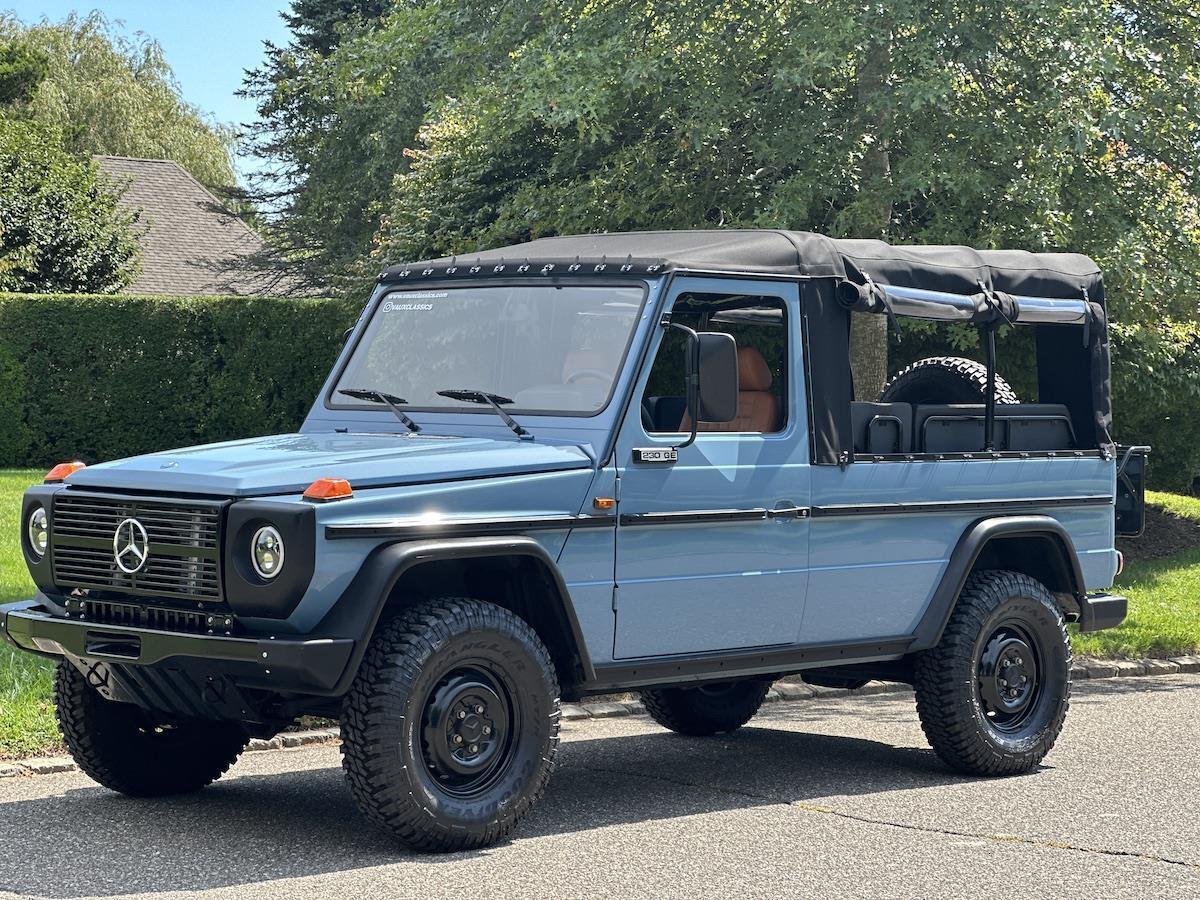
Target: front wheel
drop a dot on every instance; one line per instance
(139, 753)
(450, 729)
(993, 694)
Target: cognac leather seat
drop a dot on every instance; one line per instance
(758, 408)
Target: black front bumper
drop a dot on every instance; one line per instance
(1100, 611)
(302, 666)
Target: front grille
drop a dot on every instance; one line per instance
(184, 546)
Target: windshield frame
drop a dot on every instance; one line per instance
(332, 402)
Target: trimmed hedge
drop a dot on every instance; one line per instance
(103, 377)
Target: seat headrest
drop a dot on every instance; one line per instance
(753, 372)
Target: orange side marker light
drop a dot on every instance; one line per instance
(324, 490)
(62, 470)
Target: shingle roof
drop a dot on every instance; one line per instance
(189, 243)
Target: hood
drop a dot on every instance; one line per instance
(288, 463)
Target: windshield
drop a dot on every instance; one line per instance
(550, 349)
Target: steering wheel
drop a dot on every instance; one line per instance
(598, 374)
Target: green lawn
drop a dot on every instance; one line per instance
(1164, 620)
(1164, 600)
(26, 716)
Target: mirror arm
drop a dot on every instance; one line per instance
(691, 378)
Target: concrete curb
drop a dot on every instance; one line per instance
(782, 691)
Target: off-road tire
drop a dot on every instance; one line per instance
(707, 709)
(944, 379)
(952, 688)
(138, 753)
(397, 720)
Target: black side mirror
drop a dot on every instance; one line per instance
(711, 377)
(718, 377)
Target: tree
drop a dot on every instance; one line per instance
(22, 70)
(1044, 124)
(61, 229)
(341, 103)
(112, 95)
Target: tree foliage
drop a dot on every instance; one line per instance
(444, 127)
(22, 70)
(110, 94)
(61, 228)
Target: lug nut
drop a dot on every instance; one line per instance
(479, 709)
(462, 714)
(474, 748)
(458, 739)
(487, 729)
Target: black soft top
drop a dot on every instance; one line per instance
(950, 269)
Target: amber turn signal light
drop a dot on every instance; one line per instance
(61, 471)
(604, 503)
(325, 489)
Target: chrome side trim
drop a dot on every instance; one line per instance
(698, 516)
(1022, 504)
(423, 528)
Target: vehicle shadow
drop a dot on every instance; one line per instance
(256, 828)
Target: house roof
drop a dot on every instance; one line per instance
(952, 269)
(190, 244)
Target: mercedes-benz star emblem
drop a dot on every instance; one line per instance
(131, 546)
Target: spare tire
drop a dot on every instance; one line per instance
(944, 379)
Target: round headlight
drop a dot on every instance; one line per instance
(267, 551)
(39, 532)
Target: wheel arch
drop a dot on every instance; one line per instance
(514, 572)
(1036, 545)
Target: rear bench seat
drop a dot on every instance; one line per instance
(958, 428)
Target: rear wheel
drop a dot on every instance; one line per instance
(450, 729)
(708, 708)
(135, 752)
(993, 694)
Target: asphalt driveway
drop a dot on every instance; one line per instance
(825, 798)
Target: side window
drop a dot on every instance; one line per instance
(759, 326)
(934, 401)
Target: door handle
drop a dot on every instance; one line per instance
(786, 509)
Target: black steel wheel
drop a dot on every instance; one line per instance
(708, 708)
(136, 752)
(450, 729)
(993, 695)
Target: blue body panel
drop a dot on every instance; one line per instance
(288, 463)
(873, 575)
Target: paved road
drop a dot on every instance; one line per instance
(826, 798)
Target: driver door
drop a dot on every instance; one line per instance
(712, 549)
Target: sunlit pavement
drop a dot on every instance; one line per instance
(825, 798)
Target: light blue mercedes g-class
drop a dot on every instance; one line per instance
(593, 464)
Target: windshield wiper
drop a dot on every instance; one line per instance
(390, 400)
(493, 400)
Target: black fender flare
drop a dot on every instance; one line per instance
(966, 552)
(357, 612)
